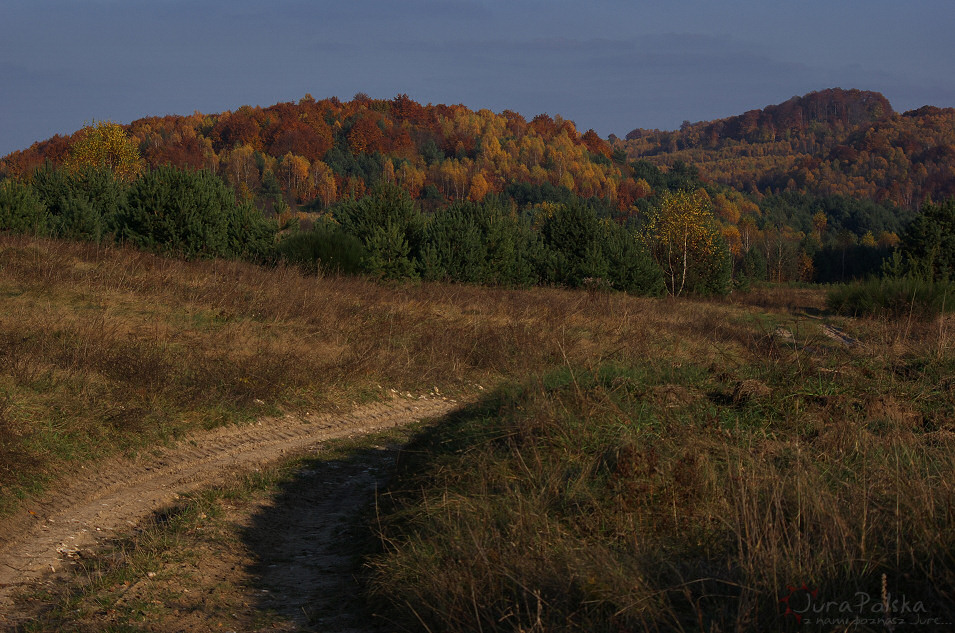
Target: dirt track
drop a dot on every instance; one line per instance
(117, 494)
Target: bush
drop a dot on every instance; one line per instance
(251, 234)
(21, 210)
(389, 226)
(326, 248)
(573, 234)
(929, 243)
(82, 204)
(479, 243)
(584, 248)
(630, 267)
(193, 213)
(893, 296)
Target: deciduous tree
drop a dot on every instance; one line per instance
(686, 243)
(106, 144)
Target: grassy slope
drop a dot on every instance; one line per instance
(670, 492)
(645, 464)
(104, 350)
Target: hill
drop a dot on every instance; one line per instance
(831, 142)
(317, 152)
(630, 463)
(806, 183)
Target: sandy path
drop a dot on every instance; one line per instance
(118, 493)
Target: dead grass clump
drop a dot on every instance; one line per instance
(886, 409)
(751, 389)
(673, 396)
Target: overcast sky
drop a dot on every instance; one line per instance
(611, 65)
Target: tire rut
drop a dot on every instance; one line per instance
(118, 493)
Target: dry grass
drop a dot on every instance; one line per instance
(675, 493)
(642, 465)
(106, 349)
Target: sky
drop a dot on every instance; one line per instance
(610, 65)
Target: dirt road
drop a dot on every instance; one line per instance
(115, 495)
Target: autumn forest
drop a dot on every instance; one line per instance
(819, 188)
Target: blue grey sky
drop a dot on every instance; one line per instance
(610, 65)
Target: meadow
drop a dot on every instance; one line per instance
(626, 463)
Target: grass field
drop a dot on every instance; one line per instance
(105, 350)
(634, 464)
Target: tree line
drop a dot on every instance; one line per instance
(103, 184)
(385, 234)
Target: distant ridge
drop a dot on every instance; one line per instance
(830, 142)
(834, 107)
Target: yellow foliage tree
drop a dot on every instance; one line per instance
(479, 187)
(686, 241)
(726, 209)
(294, 173)
(323, 182)
(411, 179)
(106, 144)
(240, 168)
(643, 189)
(388, 171)
(888, 239)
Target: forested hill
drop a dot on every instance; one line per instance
(820, 187)
(832, 111)
(831, 142)
(317, 152)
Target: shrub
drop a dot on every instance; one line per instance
(20, 209)
(193, 213)
(326, 248)
(584, 247)
(454, 248)
(480, 243)
(83, 204)
(572, 233)
(630, 266)
(929, 243)
(893, 296)
(389, 226)
(251, 234)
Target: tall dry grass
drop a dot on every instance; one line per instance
(675, 493)
(106, 349)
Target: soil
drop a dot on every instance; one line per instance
(110, 497)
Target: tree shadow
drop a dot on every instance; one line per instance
(310, 541)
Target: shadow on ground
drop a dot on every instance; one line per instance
(309, 542)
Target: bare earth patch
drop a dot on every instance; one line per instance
(118, 494)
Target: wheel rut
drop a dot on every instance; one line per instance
(112, 495)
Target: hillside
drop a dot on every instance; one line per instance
(832, 142)
(766, 175)
(313, 153)
(627, 463)
(317, 152)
